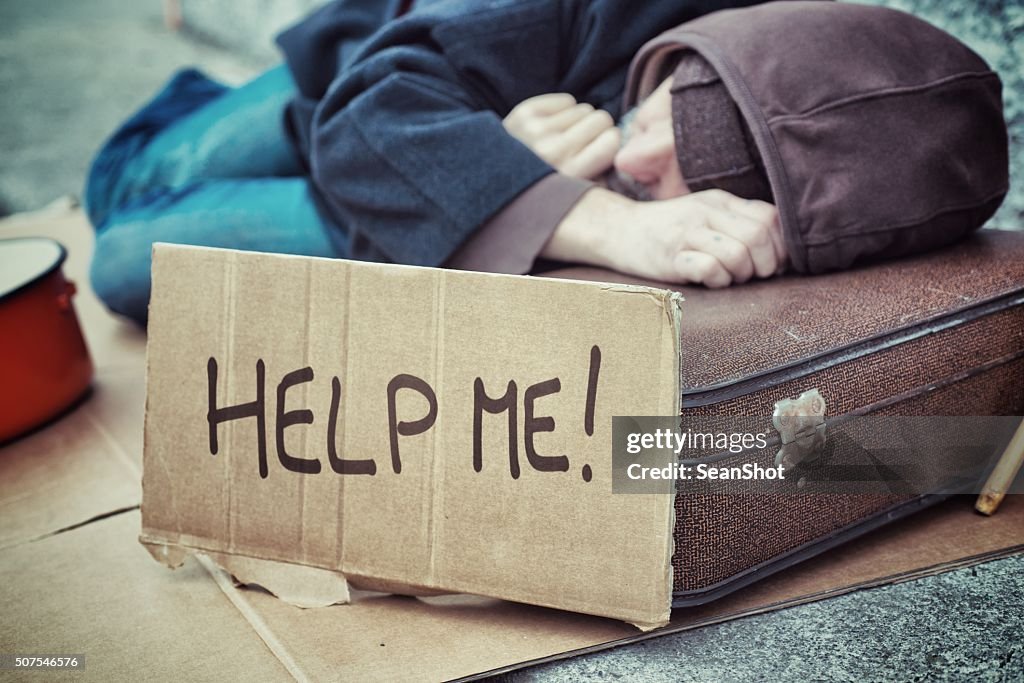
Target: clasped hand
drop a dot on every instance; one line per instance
(711, 237)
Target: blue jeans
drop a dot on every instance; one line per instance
(200, 164)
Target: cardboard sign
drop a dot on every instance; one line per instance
(411, 428)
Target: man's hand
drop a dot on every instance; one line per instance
(576, 139)
(711, 238)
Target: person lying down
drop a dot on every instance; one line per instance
(740, 143)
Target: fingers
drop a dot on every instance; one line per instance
(529, 120)
(543, 105)
(573, 137)
(751, 223)
(708, 238)
(732, 254)
(779, 242)
(700, 268)
(595, 158)
(567, 143)
(568, 117)
(538, 117)
(750, 236)
(766, 213)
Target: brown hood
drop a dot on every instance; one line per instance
(880, 134)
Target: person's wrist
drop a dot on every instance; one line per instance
(588, 232)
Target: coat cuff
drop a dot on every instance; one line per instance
(512, 240)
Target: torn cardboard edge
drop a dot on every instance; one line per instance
(305, 587)
(430, 428)
(298, 585)
(310, 587)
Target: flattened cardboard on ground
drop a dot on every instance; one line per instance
(95, 591)
(396, 638)
(64, 474)
(408, 426)
(118, 405)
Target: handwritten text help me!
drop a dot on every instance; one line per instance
(397, 427)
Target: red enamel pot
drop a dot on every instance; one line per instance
(44, 363)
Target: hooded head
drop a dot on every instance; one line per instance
(874, 133)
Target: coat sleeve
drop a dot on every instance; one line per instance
(407, 145)
(511, 241)
(324, 43)
(408, 148)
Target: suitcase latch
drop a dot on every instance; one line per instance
(801, 426)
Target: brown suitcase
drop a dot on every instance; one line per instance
(941, 334)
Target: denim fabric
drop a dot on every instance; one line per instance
(200, 164)
(399, 126)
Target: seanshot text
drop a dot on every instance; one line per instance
(705, 471)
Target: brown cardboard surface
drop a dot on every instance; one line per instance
(63, 475)
(441, 511)
(117, 405)
(396, 638)
(95, 591)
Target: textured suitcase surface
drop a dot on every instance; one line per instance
(940, 334)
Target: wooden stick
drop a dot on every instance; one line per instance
(1003, 474)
